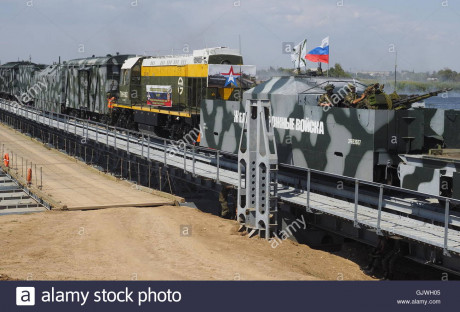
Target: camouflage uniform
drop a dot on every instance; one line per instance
(353, 96)
(350, 98)
(370, 92)
(327, 97)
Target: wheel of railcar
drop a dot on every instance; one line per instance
(120, 121)
(176, 132)
(130, 123)
(104, 119)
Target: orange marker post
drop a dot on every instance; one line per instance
(6, 160)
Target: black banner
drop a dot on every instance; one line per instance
(229, 296)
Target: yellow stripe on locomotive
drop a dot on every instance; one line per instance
(163, 94)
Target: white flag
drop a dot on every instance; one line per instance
(325, 42)
(298, 54)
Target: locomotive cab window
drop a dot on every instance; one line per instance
(125, 74)
(136, 74)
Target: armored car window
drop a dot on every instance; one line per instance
(115, 70)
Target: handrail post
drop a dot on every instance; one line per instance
(107, 134)
(193, 160)
(127, 141)
(308, 189)
(446, 228)
(142, 145)
(164, 150)
(185, 157)
(148, 146)
(379, 216)
(217, 163)
(355, 221)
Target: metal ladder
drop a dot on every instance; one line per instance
(257, 170)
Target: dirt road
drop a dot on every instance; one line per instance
(146, 243)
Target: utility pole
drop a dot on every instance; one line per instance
(396, 62)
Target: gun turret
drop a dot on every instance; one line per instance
(382, 100)
(406, 102)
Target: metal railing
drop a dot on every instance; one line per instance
(134, 141)
(145, 144)
(381, 198)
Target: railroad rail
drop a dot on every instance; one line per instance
(353, 208)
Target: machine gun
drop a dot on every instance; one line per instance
(406, 102)
(382, 100)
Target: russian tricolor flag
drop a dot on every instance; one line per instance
(321, 53)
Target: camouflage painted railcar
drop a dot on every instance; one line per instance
(77, 87)
(436, 171)
(361, 143)
(88, 82)
(16, 78)
(49, 94)
(443, 125)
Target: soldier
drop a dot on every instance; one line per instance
(378, 89)
(227, 211)
(372, 89)
(326, 99)
(352, 99)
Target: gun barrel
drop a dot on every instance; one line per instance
(418, 98)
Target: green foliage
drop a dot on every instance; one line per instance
(337, 71)
(415, 86)
(447, 74)
(408, 81)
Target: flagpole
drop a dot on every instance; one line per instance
(396, 63)
(298, 62)
(304, 46)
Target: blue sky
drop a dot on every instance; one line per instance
(362, 33)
